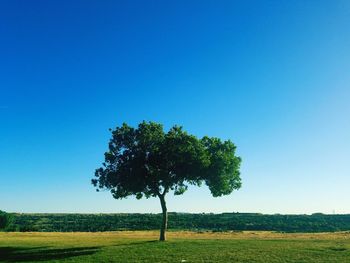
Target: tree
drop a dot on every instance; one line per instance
(148, 162)
(4, 219)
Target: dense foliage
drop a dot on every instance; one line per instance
(5, 219)
(200, 222)
(147, 161)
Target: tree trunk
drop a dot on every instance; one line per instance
(165, 218)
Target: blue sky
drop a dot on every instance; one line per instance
(272, 76)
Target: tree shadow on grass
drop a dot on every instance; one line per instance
(136, 243)
(20, 254)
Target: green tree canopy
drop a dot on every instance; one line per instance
(148, 162)
(4, 219)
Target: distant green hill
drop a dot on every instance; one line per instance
(184, 221)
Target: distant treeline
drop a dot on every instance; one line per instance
(179, 221)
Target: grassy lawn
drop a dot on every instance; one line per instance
(141, 246)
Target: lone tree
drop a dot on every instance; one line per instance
(146, 161)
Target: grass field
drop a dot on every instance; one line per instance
(142, 246)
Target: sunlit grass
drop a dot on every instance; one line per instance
(185, 246)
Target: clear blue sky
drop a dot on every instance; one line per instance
(272, 76)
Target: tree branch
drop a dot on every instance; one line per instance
(166, 189)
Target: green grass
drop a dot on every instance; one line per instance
(141, 246)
